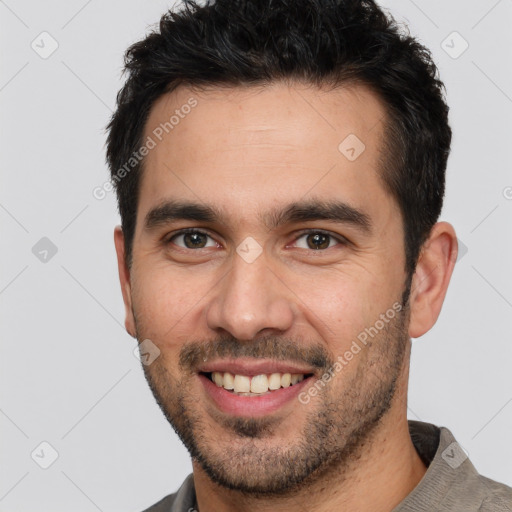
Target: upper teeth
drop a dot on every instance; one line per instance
(257, 384)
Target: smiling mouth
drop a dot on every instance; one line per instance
(256, 385)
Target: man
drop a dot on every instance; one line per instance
(280, 171)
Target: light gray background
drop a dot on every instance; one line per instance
(68, 373)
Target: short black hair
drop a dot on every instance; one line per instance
(318, 42)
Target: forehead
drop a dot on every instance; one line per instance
(241, 148)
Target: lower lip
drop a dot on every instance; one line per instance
(253, 406)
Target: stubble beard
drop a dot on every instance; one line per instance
(337, 428)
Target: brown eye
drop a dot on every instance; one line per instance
(191, 239)
(318, 240)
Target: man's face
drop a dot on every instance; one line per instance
(252, 293)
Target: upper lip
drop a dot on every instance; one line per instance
(251, 367)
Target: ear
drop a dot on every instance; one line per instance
(431, 278)
(124, 278)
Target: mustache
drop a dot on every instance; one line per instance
(193, 354)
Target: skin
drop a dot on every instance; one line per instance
(247, 151)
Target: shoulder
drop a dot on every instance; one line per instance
(469, 490)
(164, 505)
(451, 482)
(498, 496)
(182, 500)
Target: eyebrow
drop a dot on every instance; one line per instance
(300, 211)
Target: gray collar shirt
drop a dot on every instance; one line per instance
(451, 482)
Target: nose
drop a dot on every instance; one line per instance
(251, 298)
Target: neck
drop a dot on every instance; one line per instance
(380, 475)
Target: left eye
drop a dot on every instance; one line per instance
(317, 240)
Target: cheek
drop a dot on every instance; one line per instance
(164, 304)
(335, 307)
(340, 307)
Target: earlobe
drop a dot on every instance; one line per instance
(431, 278)
(124, 279)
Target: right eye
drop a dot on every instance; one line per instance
(191, 238)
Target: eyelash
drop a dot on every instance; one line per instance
(342, 240)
